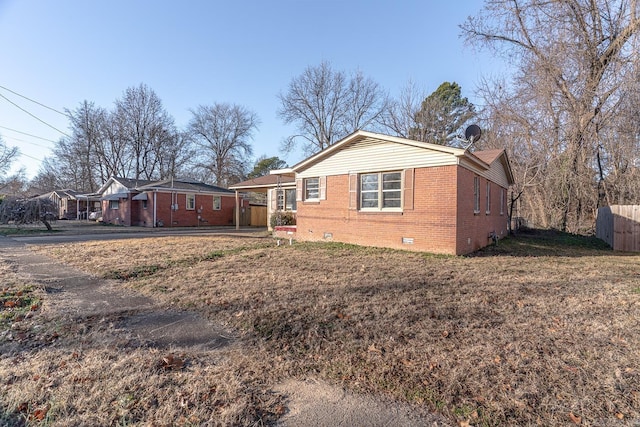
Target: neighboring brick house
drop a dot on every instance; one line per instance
(378, 190)
(166, 203)
(69, 203)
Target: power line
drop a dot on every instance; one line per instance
(32, 115)
(26, 142)
(35, 102)
(28, 134)
(31, 157)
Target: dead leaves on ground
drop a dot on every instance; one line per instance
(15, 304)
(37, 415)
(170, 362)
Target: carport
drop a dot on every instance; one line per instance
(269, 185)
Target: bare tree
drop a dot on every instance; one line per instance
(7, 157)
(326, 106)
(400, 116)
(21, 211)
(144, 126)
(365, 104)
(112, 151)
(222, 133)
(48, 177)
(579, 54)
(174, 154)
(82, 148)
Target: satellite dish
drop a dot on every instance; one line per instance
(473, 133)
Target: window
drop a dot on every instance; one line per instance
(476, 194)
(280, 199)
(381, 190)
(191, 202)
(502, 201)
(114, 204)
(488, 211)
(144, 204)
(286, 199)
(290, 199)
(217, 203)
(312, 189)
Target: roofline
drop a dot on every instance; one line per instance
(360, 134)
(244, 187)
(508, 166)
(284, 171)
(181, 190)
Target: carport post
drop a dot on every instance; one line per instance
(237, 211)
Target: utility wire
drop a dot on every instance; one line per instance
(26, 142)
(28, 134)
(31, 157)
(35, 102)
(35, 117)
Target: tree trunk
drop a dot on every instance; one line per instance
(46, 224)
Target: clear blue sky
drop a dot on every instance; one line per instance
(192, 53)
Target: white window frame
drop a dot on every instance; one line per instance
(286, 199)
(190, 202)
(114, 204)
(502, 201)
(380, 192)
(312, 192)
(476, 194)
(488, 198)
(290, 199)
(217, 203)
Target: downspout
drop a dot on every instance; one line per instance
(155, 209)
(237, 211)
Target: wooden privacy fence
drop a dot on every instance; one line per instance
(619, 226)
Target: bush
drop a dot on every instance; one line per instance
(282, 218)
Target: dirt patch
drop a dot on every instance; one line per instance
(316, 403)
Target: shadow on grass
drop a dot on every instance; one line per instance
(11, 419)
(547, 243)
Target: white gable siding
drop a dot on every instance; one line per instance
(495, 173)
(367, 156)
(115, 188)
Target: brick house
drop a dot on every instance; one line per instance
(166, 203)
(69, 203)
(378, 190)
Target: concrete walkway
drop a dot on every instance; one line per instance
(79, 295)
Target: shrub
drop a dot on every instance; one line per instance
(282, 218)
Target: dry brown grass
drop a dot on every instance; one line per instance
(541, 330)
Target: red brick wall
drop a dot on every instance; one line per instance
(442, 220)
(474, 228)
(131, 212)
(431, 224)
(120, 216)
(189, 218)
